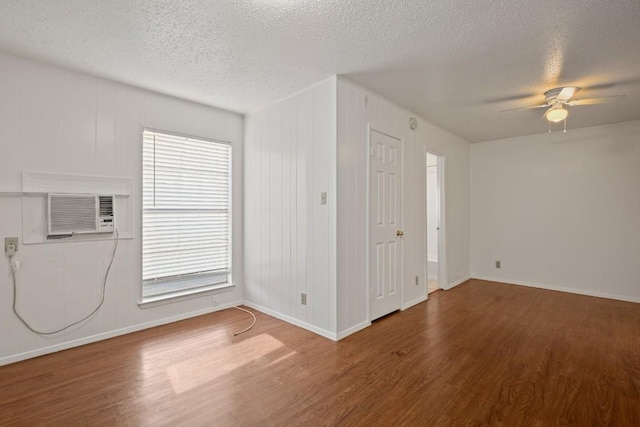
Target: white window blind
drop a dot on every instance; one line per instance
(186, 213)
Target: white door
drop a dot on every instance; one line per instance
(385, 232)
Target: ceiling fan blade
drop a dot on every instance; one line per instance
(567, 93)
(594, 101)
(531, 107)
(518, 97)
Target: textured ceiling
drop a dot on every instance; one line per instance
(455, 63)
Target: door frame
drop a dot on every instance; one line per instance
(443, 282)
(370, 128)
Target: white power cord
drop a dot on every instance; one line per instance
(246, 329)
(15, 265)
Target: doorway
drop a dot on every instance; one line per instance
(434, 221)
(385, 231)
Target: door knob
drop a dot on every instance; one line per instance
(399, 233)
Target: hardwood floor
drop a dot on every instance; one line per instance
(480, 354)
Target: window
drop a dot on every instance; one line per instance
(186, 222)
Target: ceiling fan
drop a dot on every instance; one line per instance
(558, 98)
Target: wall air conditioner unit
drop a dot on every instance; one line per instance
(69, 214)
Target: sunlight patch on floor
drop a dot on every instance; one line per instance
(196, 371)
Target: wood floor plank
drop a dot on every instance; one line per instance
(483, 353)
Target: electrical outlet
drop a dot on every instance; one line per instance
(323, 198)
(303, 298)
(417, 280)
(10, 245)
(498, 264)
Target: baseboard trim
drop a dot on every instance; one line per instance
(456, 283)
(316, 330)
(352, 330)
(111, 334)
(414, 302)
(560, 289)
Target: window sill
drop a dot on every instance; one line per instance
(185, 295)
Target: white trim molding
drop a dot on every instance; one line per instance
(41, 182)
(416, 301)
(560, 289)
(352, 330)
(456, 283)
(322, 332)
(110, 334)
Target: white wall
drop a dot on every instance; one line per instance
(561, 211)
(54, 120)
(359, 109)
(290, 237)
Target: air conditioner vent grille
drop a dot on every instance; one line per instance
(79, 213)
(106, 205)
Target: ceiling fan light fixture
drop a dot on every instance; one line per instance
(557, 114)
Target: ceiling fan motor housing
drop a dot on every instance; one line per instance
(554, 95)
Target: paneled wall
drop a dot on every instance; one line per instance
(560, 210)
(358, 111)
(316, 141)
(54, 120)
(290, 236)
